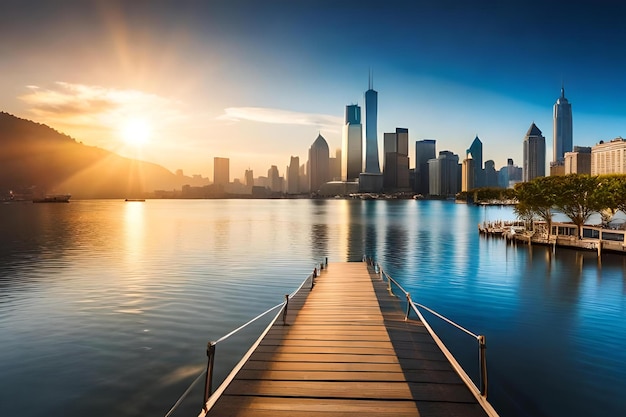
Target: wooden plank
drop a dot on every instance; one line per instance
(321, 366)
(278, 406)
(323, 389)
(322, 357)
(300, 375)
(352, 350)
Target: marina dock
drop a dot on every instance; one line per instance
(345, 349)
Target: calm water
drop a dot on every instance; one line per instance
(106, 306)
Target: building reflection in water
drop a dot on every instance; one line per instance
(319, 230)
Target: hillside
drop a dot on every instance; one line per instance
(35, 155)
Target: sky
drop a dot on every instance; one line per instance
(181, 82)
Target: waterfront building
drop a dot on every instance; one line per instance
(609, 157)
(491, 175)
(293, 176)
(476, 152)
(534, 156)
(318, 164)
(444, 175)
(578, 161)
(396, 162)
(562, 129)
(249, 178)
(352, 144)
(424, 152)
(221, 171)
(467, 174)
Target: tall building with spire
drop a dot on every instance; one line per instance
(563, 138)
(352, 144)
(371, 180)
(534, 164)
(372, 165)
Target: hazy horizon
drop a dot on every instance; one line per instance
(256, 82)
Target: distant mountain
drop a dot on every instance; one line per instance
(33, 155)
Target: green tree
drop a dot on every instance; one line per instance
(578, 197)
(619, 192)
(608, 193)
(538, 197)
(524, 213)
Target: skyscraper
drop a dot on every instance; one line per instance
(467, 174)
(396, 160)
(491, 175)
(335, 166)
(318, 164)
(293, 176)
(476, 152)
(249, 177)
(424, 151)
(352, 145)
(274, 179)
(444, 174)
(563, 136)
(372, 165)
(534, 163)
(221, 171)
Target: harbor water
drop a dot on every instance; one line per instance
(106, 306)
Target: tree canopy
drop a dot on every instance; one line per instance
(576, 196)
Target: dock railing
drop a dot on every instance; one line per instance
(480, 393)
(209, 399)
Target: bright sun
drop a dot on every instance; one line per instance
(136, 132)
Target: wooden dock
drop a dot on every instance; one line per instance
(346, 351)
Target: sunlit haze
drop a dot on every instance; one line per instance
(256, 82)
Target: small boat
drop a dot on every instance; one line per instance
(140, 200)
(56, 198)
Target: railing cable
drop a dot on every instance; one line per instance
(414, 306)
(226, 336)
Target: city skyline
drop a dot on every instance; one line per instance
(181, 83)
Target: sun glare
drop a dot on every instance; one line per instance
(136, 132)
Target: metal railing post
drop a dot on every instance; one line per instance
(408, 306)
(388, 281)
(285, 309)
(208, 383)
(312, 280)
(483, 365)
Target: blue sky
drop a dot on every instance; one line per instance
(256, 81)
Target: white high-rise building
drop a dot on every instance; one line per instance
(352, 144)
(609, 157)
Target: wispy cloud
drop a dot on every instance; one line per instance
(278, 116)
(95, 106)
